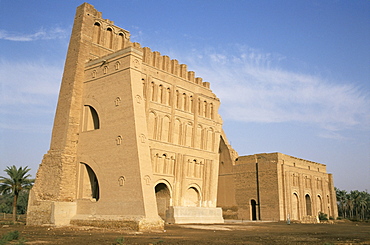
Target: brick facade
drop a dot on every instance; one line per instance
(276, 187)
(137, 141)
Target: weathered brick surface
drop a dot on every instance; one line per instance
(128, 120)
(281, 179)
(136, 134)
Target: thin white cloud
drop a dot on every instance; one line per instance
(42, 34)
(28, 95)
(137, 35)
(253, 87)
(332, 135)
(28, 87)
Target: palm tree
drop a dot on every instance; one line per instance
(356, 198)
(350, 204)
(363, 204)
(353, 203)
(18, 180)
(342, 199)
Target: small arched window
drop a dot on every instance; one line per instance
(96, 35)
(153, 91)
(168, 96)
(109, 38)
(121, 42)
(184, 102)
(178, 98)
(191, 104)
(205, 109)
(161, 94)
(211, 113)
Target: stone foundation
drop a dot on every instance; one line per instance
(50, 213)
(39, 214)
(308, 219)
(120, 222)
(62, 212)
(187, 215)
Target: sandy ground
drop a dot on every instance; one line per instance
(228, 233)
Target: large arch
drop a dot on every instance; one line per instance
(89, 182)
(163, 197)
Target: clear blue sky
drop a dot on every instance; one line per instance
(292, 76)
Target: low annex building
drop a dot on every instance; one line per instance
(137, 141)
(275, 187)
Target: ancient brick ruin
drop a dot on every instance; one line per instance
(137, 141)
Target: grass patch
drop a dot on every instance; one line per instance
(12, 236)
(119, 241)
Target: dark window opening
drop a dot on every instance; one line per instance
(91, 119)
(90, 184)
(254, 209)
(308, 205)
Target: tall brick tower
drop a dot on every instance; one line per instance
(135, 140)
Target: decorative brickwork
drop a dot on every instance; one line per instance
(128, 121)
(137, 141)
(277, 187)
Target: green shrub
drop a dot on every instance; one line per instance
(323, 216)
(10, 236)
(120, 241)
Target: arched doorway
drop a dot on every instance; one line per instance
(319, 204)
(163, 196)
(295, 207)
(254, 209)
(191, 197)
(308, 205)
